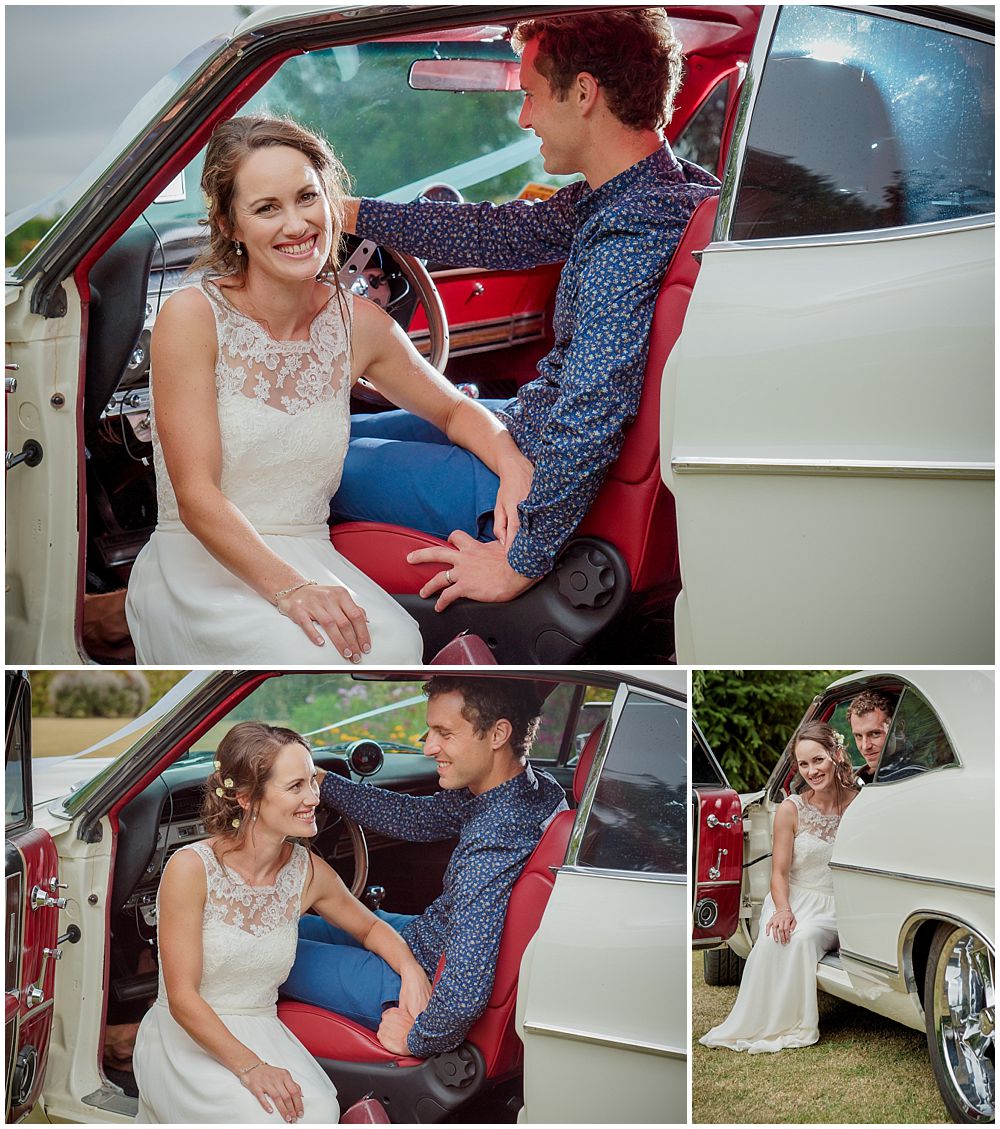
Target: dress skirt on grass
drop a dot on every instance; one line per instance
(284, 421)
(776, 1007)
(248, 947)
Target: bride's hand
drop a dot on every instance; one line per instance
(781, 925)
(330, 607)
(515, 483)
(267, 1081)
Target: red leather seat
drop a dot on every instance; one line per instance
(633, 509)
(342, 1044)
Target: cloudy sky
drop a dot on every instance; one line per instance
(72, 74)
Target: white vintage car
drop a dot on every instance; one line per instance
(601, 901)
(816, 429)
(912, 871)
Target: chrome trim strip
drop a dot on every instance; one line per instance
(984, 221)
(638, 1045)
(870, 962)
(624, 875)
(714, 883)
(849, 868)
(833, 468)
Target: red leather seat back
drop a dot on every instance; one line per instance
(493, 1032)
(633, 509)
(586, 761)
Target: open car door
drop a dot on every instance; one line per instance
(32, 915)
(717, 819)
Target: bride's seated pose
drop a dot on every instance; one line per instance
(212, 1049)
(252, 366)
(777, 1006)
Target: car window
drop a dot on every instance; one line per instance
(865, 122)
(702, 136)
(638, 819)
(704, 770)
(15, 806)
(916, 742)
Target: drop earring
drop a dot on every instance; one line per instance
(238, 246)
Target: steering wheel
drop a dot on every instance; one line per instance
(352, 277)
(326, 821)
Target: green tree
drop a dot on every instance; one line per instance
(748, 716)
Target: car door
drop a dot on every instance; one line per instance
(827, 414)
(602, 990)
(717, 848)
(31, 916)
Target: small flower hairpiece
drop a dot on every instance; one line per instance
(218, 765)
(235, 823)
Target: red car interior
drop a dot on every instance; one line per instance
(417, 1090)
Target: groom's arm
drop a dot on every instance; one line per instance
(419, 819)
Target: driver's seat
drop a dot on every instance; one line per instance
(625, 549)
(414, 1090)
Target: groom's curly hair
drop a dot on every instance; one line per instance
(487, 700)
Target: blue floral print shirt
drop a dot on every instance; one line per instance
(497, 831)
(617, 241)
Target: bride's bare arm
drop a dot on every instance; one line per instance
(328, 895)
(386, 356)
(782, 923)
(183, 890)
(184, 350)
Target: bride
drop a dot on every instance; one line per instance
(252, 364)
(776, 1007)
(212, 1049)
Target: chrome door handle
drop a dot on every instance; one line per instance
(714, 821)
(716, 870)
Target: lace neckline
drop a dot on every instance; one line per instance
(213, 289)
(236, 878)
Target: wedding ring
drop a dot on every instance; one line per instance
(449, 577)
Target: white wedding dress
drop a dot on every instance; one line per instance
(284, 419)
(776, 1007)
(249, 935)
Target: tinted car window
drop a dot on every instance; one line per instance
(15, 810)
(703, 767)
(702, 135)
(638, 820)
(864, 122)
(916, 741)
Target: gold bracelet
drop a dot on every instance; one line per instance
(294, 588)
(247, 1069)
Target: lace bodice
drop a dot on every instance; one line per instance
(249, 933)
(284, 415)
(813, 848)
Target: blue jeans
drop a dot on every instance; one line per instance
(404, 471)
(347, 979)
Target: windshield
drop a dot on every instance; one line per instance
(394, 141)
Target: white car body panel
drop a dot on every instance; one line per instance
(626, 1032)
(42, 560)
(863, 365)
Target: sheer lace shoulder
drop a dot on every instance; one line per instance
(257, 910)
(290, 376)
(816, 822)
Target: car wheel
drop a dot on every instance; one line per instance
(723, 967)
(959, 1011)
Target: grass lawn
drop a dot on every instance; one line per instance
(61, 736)
(864, 1069)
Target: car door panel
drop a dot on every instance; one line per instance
(824, 409)
(718, 864)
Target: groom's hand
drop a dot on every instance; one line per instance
(393, 1029)
(473, 569)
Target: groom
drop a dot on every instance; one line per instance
(479, 731)
(598, 89)
(869, 716)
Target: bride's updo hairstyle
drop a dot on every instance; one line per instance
(826, 736)
(243, 763)
(230, 145)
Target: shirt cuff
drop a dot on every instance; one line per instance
(528, 557)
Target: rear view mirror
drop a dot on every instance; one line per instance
(464, 75)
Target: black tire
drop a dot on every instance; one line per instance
(723, 967)
(959, 1019)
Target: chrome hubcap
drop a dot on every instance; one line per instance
(964, 1017)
